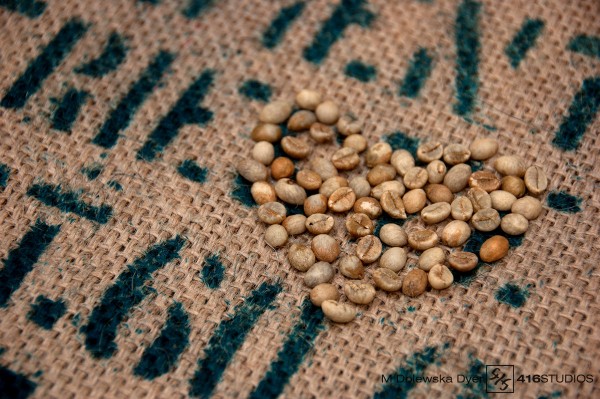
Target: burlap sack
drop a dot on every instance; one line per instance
(456, 331)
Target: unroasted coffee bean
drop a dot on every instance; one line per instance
(308, 99)
(536, 180)
(252, 170)
(332, 184)
(430, 151)
(276, 235)
(438, 193)
(431, 257)
(348, 125)
(319, 273)
(387, 279)
(323, 167)
(493, 249)
(514, 185)
(266, 132)
(479, 198)
(510, 165)
(338, 312)
(414, 283)
(351, 267)
(345, 158)
(440, 277)
(392, 204)
(393, 259)
(456, 153)
(514, 224)
(527, 206)
(327, 112)
(484, 180)
(393, 235)
(436, 213)
(263, 192)
(436, 170)
(295, 224)
(360, 186)
(422, 239)
(379, 153)
(301, 257)
(462, 261)
(308, 179)
(356, 141)
(341, 200)
(325, 248)
(482, 149)
(392, 185)
(456, 233)
(461, 209)
(414, 200)
(319, 223)
(368, 249)
(272, 213)
(288, 191)
(263, 152)
(457, 177)
(486, 220)
(301, 120)
(381, 173)
(402, 160)
(295, 147)
(275, 112)
(359, 293)
(322, 293)
(502, 200)
(369, 206)
(322, 133)
(415, 177)
(359, 225)
(316, 203)
(282, 167)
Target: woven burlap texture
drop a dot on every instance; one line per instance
(555, 332)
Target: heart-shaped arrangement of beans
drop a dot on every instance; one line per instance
(394, 185)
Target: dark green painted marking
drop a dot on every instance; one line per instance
(467, 51)
(582, 112)
(92, 172)
(115, 185)
(213, 272)
(20, 260)
(552, 395)
(128, 291)
(295, 348)
(360, 71)
(402, 141)
(45, 312)
(475, 165)
(411, 309)
(242, 191)
(30, 8)
(256, 90)
(512, 295)
(68, 201)
(524, 39)
(282, 22)
(564, 202)
(346, 13)
(197, 7)
(162, 356)
(44, 64)
(227, 339)
(14, 385)
(112, 56)
(418, 72)
(4, 175)
(68, 109)
(475, 390)
(121, 116)
(192, 171)
(186, 111)
(587, 45)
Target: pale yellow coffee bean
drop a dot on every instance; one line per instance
(415, 177)
(328, 112)
(514, 224)
(536, 180)
(456, 153)
(323, 167)
(456, 233)
(487, 181)
(263, 192)
(381, 173)
(348, 125)
(252, 170)
(295, 147)
(332, 184)
(288, 191)
(430, 257)
(430, 151)
(308, 179)
(387, 280)
(301, 120)
(351, 267)
(321, 133)
(368, 249)
(319, 223)
(338, 312)
(319, 273)
(479, 198)
(356, 141)
(275, 112)
(414, 200)
(316, 203)
(414, 283)
(263, 152)
(308, 99)
(422, 239)
(393, 259)
(438, 193)
(322, 293)
(462, 261)
(392, 204)
(266, 132)
(295, 224)
(359, 293)
(461, 209)
(369, 206)
(527, 206)
(301, 257)
(325, 248)
(360, 186)
(486, 220)
(341, 200)
(272, 213)
(513, 185)
(457, 177)
(276, 236)
(392, 185)
(435, 213)
(482, 149)
(345, 158)
(282, 167)
(379, 153)
(436, 170)
(502, 200)
(359, 225)
(510, 165)
(393, 235)
(493, 249)
(402, 160)
(440, 277)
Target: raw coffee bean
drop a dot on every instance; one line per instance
(379, 153)
(359, 225)
(368, 249)
(276, 235)
(263, 152)
(435, 213)
(308, 179)
(275, 112)
(319, 223)
(456, 233)
(322, 293)
(493, 249)
(272, 213)
(457, 177)
(414, 200)
(345, 158)
(301, 120)
(422, 239)
(263, 192)
(513, 185)
(356, 141)
(308, 99)
(487, 181)
(359, 293)
(430, 151)
(430, 257)
(438, 193)
(393, 235)
(392, 185)
(295, 147)
(252, 170)
(440, 277)
(288, 191)
(351, 267)
(510, 165)
(266, 132)
(486, 220)
(402, 160)
(338, 312)
(393, 259)
(319, 273)
(536, 180)
(436, 170)
(461, 209)
(301, 257)
(502, 200)
(348, 125)
(295, 224)
(325, 248)
(456, 153)
(414, 283)
(341, 200)
(282, 167)
(482, 149)
(328, 112)
(360, 186)
(316, 203)
(322, 133)
(369, 206)
(527, 206)
(392, 204)
(323, 167)
(332, 184)
(463, 261)
(381, 173)
(514, 224)
(479, 198)
(387, 280)
(415, 177)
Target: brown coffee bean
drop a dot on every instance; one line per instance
(484, 180)
(422, 239)
(341, 200)
(321, 133)
(308, 99)
(457, 177)
(393, 235)
(319, 223)
(414, 283)
(319, 273)
(462, 261)
(402, 160)
(369, 206)
(438, 193)
(392, 204)
(252, 170)
(414, 200)
(381, 173)
(379, 153)
(295, 147)
(440, 277)
(392, 185)
(479, 198)
(308, 179)
(323, 167)
(345, 158)
(325, 248)
(332, 184)
(314, 204)
(436, 170)
(461, 209)
(510, 165)
(359, 225)
(263, 192)
(435, 213)
(368, 249)
(514, 224)
(266, 132)
(275, 112)
(301, 120)
(393, 259)
(276, 236)
(272, 213)
(351, 267)
(288, 191)
(301, 257)
(486, 220)
(338, 312)
(430, 257)
(482, 149)
(282, 167)
(430, 151)
(263, 152)
(322, 293)
(456, 233)
(360, 186)
(536, 180)
(356, 141)
(348, 125)
(359, 293)
(513, 185)
(527, 206)
(295, 224)
(327, 112)
(456, 153)
(415, 177)
(493, 249)
(387, 280)
(502, 200)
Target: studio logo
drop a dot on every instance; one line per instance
(500, 378)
